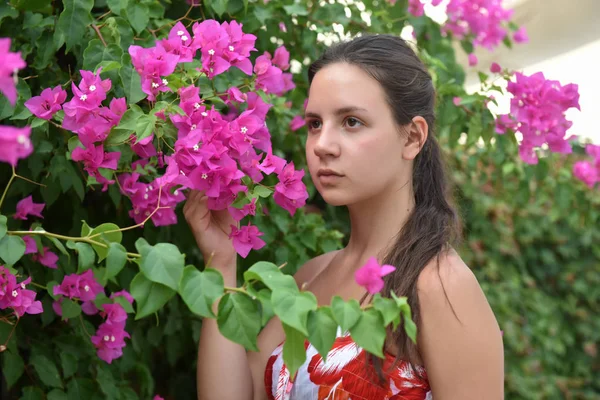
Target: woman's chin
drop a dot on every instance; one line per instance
(334, 199)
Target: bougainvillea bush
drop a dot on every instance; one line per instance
(113, 110)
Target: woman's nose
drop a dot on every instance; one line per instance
(327, 144)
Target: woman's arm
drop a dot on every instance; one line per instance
(459, 338)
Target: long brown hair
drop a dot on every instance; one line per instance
(433, 225)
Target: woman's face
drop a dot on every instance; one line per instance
(354, 149)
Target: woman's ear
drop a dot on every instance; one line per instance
(416, 135)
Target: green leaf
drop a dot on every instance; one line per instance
(261, 191)
(3, 227)
(239, 319)
(294, 353)
(322, 330)
(106, 381)
(345, 313)
(80, 388)
(124, 303)
(46, 370)
(32, 393)
(57, 394)
(70, 309)
(137, 14)
(296, 9)
(145, 126)
(59, 245)
(387, 307)
(409, 326)
(369, 332)
(30, 5)
(86, 256)
(163, 264)
(292, 308)
(74, 20)
(114, 235)
(12, 249)
(149, 296)
(12, 367)
(132, 83)
(199, 290)
(271, 276)
(219, 6)
(96, 52)
(68, 363)
(117, 6)
(264, 296)
(115, 260)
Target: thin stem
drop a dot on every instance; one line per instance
(140, 225)
(153, 31)
(104, 15)
(83, 326)
(7, 186)
(99, 34)
(12, 331)
(232, 289)
(29, 180)
(38, 285)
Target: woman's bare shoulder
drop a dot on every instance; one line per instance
(313, 267)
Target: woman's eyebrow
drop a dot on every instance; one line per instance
(339, 111)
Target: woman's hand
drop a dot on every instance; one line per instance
(211, 229)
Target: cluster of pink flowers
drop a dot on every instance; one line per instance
(589, 171)
(14, 142)
(110, 336)
(483, 21)
(82, 287)
(16, 295)
(537, 111)
(370, 275)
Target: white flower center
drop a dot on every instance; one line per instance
(184, 38)
(146, 196)
(176, 192)
(244, 129)
(204, 114)
(83, 97)
(196, 105)
(23, 285)
(165, 82)
(154, 85)
(182, 173)
(15, 293)
(193, 127)
(21, 139)
(86, 288)
(92, 88)
(180, 33)
(204, 176)
(112, 338)
(230, 48)
(211, 52)
(196, 147)
(150, 187)
(136, 211)
(106, 338)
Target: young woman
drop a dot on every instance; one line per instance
(371, 148)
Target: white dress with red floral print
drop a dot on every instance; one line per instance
(344, 376)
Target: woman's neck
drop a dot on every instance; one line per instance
(375, 223)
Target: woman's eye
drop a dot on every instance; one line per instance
(314, 124)
(353, 122)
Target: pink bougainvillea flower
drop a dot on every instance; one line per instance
(114, 313)
(297, 122)
(281, 58)
(16, 295)
(30, 245)
(248, 209)
(472, 60)
(109, 341)
(14, 144)
(586, 172)
(47, 103)
(27, 207)
(269, 78)
(11, 62)
(83, 286)
(520, 36)
(123, 293)
(245, 239)
(48, 259)
(369, 275)
(495, 68)
(290, 192)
